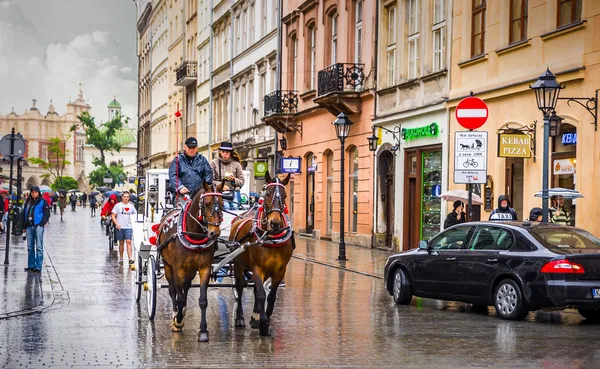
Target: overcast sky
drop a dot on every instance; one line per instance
(48, 47)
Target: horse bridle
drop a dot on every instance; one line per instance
(275, 199)
(215, 209)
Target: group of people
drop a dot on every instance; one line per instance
(557, 214)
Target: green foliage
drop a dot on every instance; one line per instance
(104, 140)
(64, 183)
(56, 163)
(116, 172)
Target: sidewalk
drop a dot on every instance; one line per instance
(22, 292)
(361, 260)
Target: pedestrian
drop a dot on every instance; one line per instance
(62, 204)
(73, 200)
(121, 218)
(84, 198)
(48, 199)
(558, 214)
(106, 211)
(503, 211)
(54, 201)
(6, 211)
(2, 214)
(93, 202)
(227, 168)
(456, 216)
(535, 215)
(36, 214)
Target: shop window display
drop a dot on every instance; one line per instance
(430, 191)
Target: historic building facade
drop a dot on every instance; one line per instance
(499, 50)
(328, 67)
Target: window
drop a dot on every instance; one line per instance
(358, 32)
(334, 34)
(391, 45)
(44, 153)
(79, 155)
(518, 21)
(264, 17)
(439, 11)
(569, 11)
(237, 30)
(251, 22)
(452, 239)
(354, 190)
(295, 70)
(313, 56)
(413, 38)
(244, 26)
(439, 35)
(478, 28)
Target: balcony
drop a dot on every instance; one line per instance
(187, 74)
(280, 108)
(339, 88)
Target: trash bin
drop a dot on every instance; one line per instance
(17, 220)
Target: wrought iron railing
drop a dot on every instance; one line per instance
(187, 69)
(281, 102)
(341, 77)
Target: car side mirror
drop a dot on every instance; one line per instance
(423, 245)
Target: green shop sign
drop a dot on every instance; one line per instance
(260, 169)
(431, 130)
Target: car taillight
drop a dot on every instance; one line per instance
(562, 266)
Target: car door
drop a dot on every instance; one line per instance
(434, 269)
(486, 253)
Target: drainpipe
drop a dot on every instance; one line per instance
(230, 102)
(375, 194)
(210, 63)
(278, 73)
(137, 52)
(184, 88)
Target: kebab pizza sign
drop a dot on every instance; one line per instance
(514, 145)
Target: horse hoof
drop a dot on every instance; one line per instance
(239, 323)
(203, 337)
(253, 323)
(265, 330)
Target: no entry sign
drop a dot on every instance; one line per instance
(471, 112)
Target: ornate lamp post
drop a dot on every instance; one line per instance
(546, 94)
(342, 128)
(283, 143)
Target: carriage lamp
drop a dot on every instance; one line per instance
(342, 128)
(283, 143)
(373, 141)
(555, 122)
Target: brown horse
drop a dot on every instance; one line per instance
(268, 260)
(186, 240)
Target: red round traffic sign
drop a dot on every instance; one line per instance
(471, 112)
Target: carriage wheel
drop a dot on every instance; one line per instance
(151, 292)
(138, 279)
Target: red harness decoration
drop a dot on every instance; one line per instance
(183, 226)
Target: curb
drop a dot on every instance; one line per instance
(58, 297)
(337, 266)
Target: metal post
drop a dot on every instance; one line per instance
(545, 168)
(10, 194)
(342, 255)
(470, 203)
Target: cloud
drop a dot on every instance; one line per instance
(30, 69)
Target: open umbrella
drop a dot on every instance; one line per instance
(462, 195)
(3, 191)
(108, 193)
(94, 193)
(564, 192)
(102, 189)
(44, 189)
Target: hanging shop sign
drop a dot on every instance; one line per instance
(488, 198)
(431, 130)
(514, 145)
(260, 169)
(564, 166)
(290, 165)
(263, 152)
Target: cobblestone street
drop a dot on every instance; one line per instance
(324, 317)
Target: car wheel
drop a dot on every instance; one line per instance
(401, 288)
(590, 314)
(508, 301)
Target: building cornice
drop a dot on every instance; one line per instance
(268, 37)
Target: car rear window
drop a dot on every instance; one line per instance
(563, 238)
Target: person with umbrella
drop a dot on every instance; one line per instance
(456, 216)
(93, 202)
(107, 210)
(558, 214)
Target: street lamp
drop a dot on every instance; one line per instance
(373, 141)
(555, 122)
(342, 128)
(546, 94)
(283, 143)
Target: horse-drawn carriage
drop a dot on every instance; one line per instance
(209, 235)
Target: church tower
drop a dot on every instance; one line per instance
(114, 109)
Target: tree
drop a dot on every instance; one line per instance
(104, 140)
(65, 183)
(117, 173)
(56, 163)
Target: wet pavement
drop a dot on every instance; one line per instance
(325, 317)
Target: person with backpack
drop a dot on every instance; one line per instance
(73, 200)
(93, 202)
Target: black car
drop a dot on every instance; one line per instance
(517, 267)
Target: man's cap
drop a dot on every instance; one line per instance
(191, 142)
(227, 146)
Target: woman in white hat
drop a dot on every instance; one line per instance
(227, 168)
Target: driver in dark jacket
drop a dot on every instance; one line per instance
(504, 211)
(189, 170)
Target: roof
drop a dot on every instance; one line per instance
(124, 136)
(114, 104)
